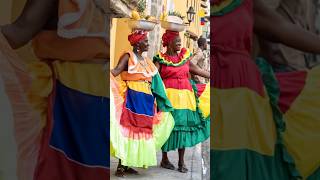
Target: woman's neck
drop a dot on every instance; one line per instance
(139, 53)
(171, 52)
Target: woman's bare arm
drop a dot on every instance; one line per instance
(196, 70)
(272, 26)
(31, 21)
(121, 66)
(157, 64)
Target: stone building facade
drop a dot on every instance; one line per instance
(123, 8)
(152, 8)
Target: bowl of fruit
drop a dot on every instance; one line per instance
(173, 21)
(147, 23)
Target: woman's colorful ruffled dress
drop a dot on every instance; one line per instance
(141, 119)
(191, 102)
(266, 124)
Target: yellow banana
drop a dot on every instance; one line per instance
(163, 16)
(151, 18)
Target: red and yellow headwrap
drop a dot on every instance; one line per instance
(168, 37)
(137, 36)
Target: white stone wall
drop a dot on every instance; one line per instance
(154, 8)
(122, 8)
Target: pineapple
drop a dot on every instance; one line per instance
(135, 15)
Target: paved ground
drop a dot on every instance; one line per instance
(193, 162)
(205, 150)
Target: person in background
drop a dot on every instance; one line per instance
(201, 59)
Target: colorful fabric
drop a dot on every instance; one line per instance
(48, 44)
(168, 37)
(297, 104)
(183, 57)
(228, 134)
(74, 88)
(221, 7)
(261, 148)
(77, 113)
(71, 133)
(54, 123)
(20, 125)
(292, 85)
(137, 36)
(273, 90)
(299, 94)
(145, 69)
(203, 98)
(244, 134)
(71, 94)
(83, 18)
(191, 126)
(141, 120)
(261, 137)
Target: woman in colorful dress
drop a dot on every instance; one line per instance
(16, 112)
(266, 125)
(138, 128)
(190, 102)
(68, 139)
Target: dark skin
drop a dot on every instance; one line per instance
(172, 50)
(138, 49)
(37, 15)
(272, 26)
(204, 45)
(122, 65)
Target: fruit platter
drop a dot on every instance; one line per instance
(137, 22)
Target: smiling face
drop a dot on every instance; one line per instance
(175, 44)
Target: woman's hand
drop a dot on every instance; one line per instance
(273, 27)
(196, 70)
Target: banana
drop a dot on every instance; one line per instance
(163, 16)
(151, 18)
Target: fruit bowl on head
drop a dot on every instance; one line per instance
(142, 25)
(173, 23)
(173, 26)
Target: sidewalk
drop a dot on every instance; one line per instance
(193, 162)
